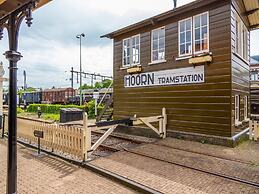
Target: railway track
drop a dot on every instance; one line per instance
(239, 180)
(205, 154)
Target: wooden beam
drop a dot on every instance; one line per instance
(2, 1)
(203, 59)
(251, 12)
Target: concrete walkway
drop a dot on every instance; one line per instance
(46, 175)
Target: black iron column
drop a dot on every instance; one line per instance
(13, 56)
(12, 23)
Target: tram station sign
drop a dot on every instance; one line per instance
(189, 75)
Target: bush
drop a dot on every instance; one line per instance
(19, 110)
(91, 109)
(50, 108)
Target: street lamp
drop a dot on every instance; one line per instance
(80, 36)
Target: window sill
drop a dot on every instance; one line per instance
(238, 124)
(157, 62)
(183, 57)
(241, 58)
(128, 67)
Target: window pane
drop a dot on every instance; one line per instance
(204, 44)
(182, 49)
(162, 43)
(155, 35)
(182, 26)
(197, 21)
(204, 32)
(161, 54)
(204, 19)
(155, 45)
(162, 33)
(197, 45)
(155, 55)
(197, 34)
(182, 38)
(188, 24)
(188, 36)
(188, 48)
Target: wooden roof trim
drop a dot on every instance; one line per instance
(161, 17)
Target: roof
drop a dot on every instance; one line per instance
(9, 6)
(57, 89)
(252, 10)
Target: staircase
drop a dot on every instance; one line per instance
(107, 113)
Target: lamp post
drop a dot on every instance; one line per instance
(80, 36)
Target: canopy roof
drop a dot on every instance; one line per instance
(8, 6)
(252, 8)
(252, 11)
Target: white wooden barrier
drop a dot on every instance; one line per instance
(254, 130)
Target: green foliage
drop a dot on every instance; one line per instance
(98, 85)
(50, 108)
(52, 117)
(91, 109)
(19, 110)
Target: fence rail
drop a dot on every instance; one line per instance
(67, 140)
(254, 130)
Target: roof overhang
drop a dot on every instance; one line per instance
(9, 6)
(252, 12)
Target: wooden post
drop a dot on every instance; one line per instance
(86, 137)
(164, 121)
(251, 123)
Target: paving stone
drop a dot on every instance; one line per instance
(45, 175)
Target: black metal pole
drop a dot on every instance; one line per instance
(3, 126)
(13, 56)
(81, 99)
(72, 77)
(38, 146)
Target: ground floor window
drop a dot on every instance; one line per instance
(237, 109)
(246, 107)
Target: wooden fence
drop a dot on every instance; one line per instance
(70, 141)
(254, 130)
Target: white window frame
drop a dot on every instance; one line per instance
(241, 38)
(208, 30)
(237, 107)
(179, 37)
(131, 52)
(246, 108)
(159, 60)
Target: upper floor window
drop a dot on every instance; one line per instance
(158, 45)
(185, 37)
(131, 51)
(194, 35)
(254, 76)
(241, 38)
(201, 33)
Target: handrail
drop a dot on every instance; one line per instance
(105, 94)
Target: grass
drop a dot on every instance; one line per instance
(52, 117)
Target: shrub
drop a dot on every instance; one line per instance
(19, 110)
(51, 108)
(53, 117)
(91, 109)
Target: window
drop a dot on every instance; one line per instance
(241, 38)
(245, 107)
(158, 45)
(131, 51)
(254, 76)
(185, 37)
(194, 35)
(201, 33)
(237, 114)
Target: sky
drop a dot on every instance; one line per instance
(50, 48)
